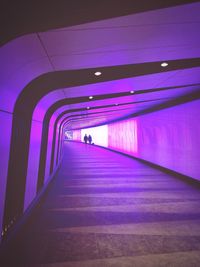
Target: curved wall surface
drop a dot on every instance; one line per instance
(169, 138)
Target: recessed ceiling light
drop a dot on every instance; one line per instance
(91, 97)
(88, 107)
(132, 92)
(97, 73)
(164, 64)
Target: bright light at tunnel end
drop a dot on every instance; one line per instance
(99, 135)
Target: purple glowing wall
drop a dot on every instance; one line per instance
(123, 136)
(77, 135)
(169, 138)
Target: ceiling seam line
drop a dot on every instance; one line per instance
(126, 26)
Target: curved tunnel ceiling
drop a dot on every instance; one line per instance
(122, 37)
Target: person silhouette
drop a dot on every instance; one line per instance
(90, 139)
(85, 138)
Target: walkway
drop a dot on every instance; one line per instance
(105, 209)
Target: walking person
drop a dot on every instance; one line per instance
(85, 138)
(90, 139)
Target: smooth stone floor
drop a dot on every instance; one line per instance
(105, 209)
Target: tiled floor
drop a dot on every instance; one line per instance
(105, 209)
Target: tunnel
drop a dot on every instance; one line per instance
(127, 73)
